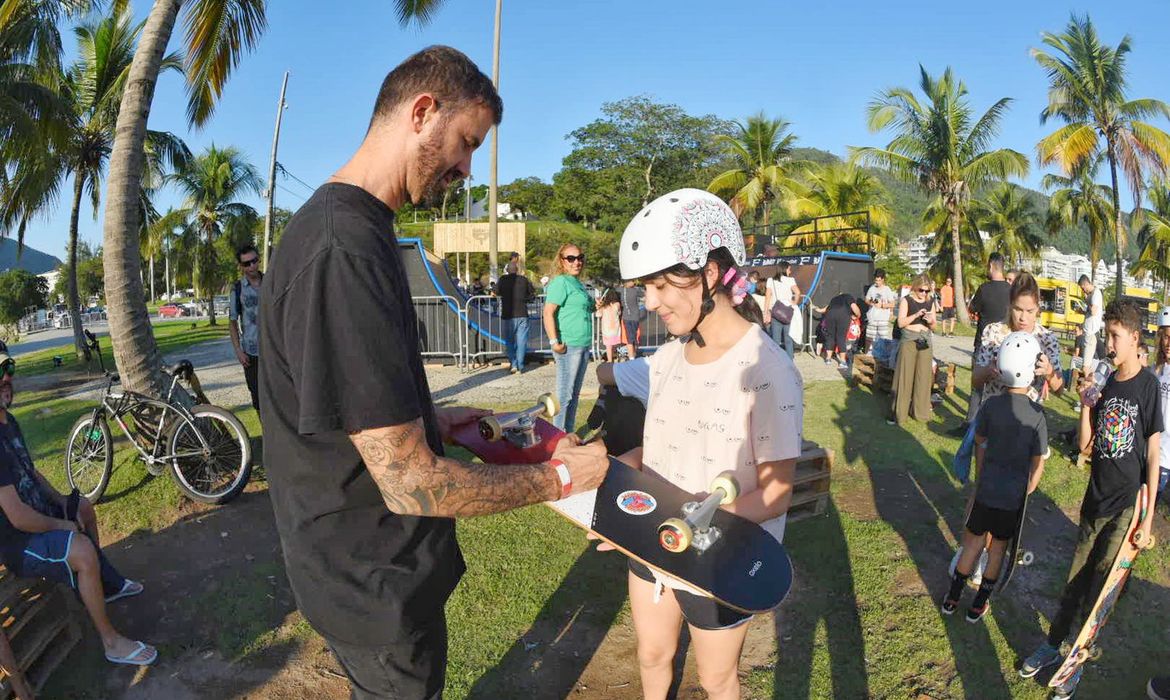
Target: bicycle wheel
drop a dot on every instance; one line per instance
(218, 473)
(89, 456)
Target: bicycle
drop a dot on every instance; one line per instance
(206, 447)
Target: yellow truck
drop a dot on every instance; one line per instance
(1063, 305)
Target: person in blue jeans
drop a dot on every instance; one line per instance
(515, 292)
(568, 321)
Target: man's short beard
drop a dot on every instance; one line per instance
(428, 168)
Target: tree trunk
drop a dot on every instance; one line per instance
(71, 299)
(957, 263)
(210, 278)
(134, 348)
(1119, 283)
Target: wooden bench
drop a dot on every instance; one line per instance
(40, 623)
(810, 485)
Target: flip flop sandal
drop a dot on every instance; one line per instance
(132, 659)
(129, 588)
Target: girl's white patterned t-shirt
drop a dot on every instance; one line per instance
(735, 413)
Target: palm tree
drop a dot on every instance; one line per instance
(938, 145)
(90, 93)
(1076, 200)
(213, 181)
(833, 189)
(1012, 222)
(1087, 92)
(1154, 235)
(218, 35)
(762, 153)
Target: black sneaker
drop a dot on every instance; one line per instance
(975, 614)
(960, 431)
(1158, 688)
(949, 606)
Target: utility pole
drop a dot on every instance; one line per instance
(467, 207)
(270, 195)
(493, 188)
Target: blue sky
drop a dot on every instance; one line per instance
(814, 64)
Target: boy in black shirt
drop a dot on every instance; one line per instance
(1123, 427)
(1011, 437)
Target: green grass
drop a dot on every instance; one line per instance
(171, 336)
(862, 620)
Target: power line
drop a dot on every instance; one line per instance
(300, 197)
(286, 173)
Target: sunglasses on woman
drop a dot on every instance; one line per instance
(574, 258)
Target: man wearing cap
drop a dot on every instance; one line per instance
(45, 534)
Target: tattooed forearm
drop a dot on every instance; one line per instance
(414, 481)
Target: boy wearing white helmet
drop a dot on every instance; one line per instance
(1162, 370)
(722, 396)
(1011, 439)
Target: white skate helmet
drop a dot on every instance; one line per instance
(1164, 317)
(1017, 359)
(683, 226)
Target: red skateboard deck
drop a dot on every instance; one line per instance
(744, 568)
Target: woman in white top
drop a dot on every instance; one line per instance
(727, 397)
(782, 287)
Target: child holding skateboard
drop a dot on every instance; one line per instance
(723, 396)
(1011, 439)
(1123, 427)
(1162, 370)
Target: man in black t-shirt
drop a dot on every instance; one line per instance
(1123, 427)
(515, 293)
(45, 534)
(991, 302)
(363, 495)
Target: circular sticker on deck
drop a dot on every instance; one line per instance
(636, 502)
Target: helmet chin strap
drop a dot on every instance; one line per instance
(705, 308)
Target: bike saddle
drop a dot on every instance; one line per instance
(180, 368)
(115, 377)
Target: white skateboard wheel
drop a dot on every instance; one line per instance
(727, 483)
(1027, 558)
(551, 406)
(489, 429)
(674, 535)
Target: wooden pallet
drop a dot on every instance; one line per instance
(810, 484)
(39, 626)
(867, 372)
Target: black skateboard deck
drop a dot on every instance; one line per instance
(745, 568)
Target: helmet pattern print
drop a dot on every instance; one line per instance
(681, 227)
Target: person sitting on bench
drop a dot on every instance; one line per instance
(44, 534)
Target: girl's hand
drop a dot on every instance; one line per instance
(1043, 366)
(602, 545)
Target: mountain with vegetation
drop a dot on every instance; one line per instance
(13, 258)
(908, 203)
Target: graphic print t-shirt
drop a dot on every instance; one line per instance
(250, 301)
(16, 470)
(1123, 420)
(742, 410)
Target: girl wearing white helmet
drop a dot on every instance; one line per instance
(724, 395)
(1162, 369)
(1011, 439)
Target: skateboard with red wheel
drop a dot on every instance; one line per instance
(717, 553)
(1084, 646)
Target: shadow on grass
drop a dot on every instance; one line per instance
(548, 659)
(911, 491)
(825, 594)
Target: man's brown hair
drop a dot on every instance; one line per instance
(446, 73)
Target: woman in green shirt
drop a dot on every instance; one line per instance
(568, 321)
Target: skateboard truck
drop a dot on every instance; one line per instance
(695, 529)
(519, 428)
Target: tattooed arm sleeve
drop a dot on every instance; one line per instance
(415, 481)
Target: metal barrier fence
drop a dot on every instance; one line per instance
(480, 335)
